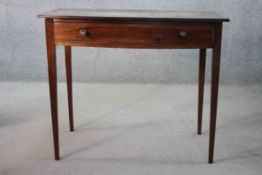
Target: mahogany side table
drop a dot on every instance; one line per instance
(150, 29)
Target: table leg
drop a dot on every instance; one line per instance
(51, 57)
(68, 61)
(201, 83)
(214, 90)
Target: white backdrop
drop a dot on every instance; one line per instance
(23, 54)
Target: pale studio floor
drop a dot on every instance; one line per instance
(129, 129)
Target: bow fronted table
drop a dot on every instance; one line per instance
(145, 29)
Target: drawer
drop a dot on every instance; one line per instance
(137, 34)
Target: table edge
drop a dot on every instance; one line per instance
(136, 18)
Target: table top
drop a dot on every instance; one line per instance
(135, 15)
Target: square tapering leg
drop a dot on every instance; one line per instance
(201, 84)
(51, 57)
(68, 60)
(214, 90)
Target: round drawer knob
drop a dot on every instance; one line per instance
(83, 32)
(183, 34)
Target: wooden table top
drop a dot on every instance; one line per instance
(135, 15)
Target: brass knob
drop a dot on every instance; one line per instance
(183, 34)
(83, 32)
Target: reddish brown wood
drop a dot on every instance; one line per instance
(147, 29)
(138, 15)
(134, 34)
(68, 60)
(51, 58)
(214, 89)
(201, 83)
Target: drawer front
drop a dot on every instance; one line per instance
(138, 34)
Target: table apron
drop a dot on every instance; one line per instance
(134, 34)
